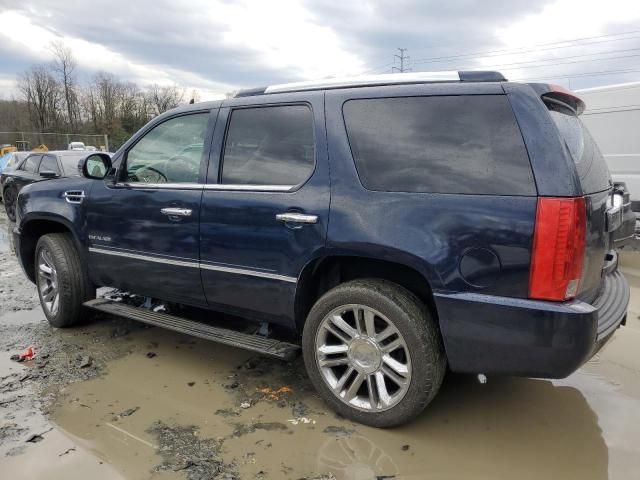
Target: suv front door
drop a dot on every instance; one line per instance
(265, 207)
(143, 224)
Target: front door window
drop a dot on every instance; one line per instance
(170, 153)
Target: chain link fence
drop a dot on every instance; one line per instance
(53, 141)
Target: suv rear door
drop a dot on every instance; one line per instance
(266, 203)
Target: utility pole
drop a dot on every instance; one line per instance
(402, 57)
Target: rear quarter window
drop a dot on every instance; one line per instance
(467, 144)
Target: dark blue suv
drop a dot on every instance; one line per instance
(397, 225)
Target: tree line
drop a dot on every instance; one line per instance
(51, 98)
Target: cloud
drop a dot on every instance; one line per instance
(220, 45)
(215, 45)
(427, 28)
(574, 19)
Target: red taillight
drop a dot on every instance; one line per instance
(558, 248)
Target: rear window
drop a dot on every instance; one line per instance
(590, 164)
(468, 144)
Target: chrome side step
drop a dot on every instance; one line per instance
(255, 343)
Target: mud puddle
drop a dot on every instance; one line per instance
(179, 413)
(16, 292)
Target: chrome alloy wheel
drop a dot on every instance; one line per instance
(363, 358)
(48, 282)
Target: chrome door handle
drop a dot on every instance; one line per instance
(176, 212)
(296, 218)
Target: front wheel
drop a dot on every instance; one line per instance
(9, 198)
(63, 285)
(373, 352)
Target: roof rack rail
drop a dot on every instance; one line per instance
(376, 80)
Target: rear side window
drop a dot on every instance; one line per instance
(31, 164)
(446, 144)
(269, 146)
(590, 164)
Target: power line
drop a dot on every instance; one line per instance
(381, 67)
(579, 39)
(533, 48)
(554, 64)
(518, 64)
(402, 57)
(577, 75)
(631, 86)
(615, 108)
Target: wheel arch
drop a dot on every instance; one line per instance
(322, 274)
(35, 226)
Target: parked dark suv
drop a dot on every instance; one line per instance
(399, 223)
(35, 167)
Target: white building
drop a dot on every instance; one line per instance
(613, 118)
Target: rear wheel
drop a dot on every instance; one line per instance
(9, 198)
(373, 352)
(63, 285)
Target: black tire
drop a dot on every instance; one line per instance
(411, 318)
(73, 285)
(9, 198)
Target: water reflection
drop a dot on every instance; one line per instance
(509, 428)
(355, 458)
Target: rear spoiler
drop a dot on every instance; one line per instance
(558, 94)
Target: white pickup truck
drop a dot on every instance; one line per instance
(613, 118)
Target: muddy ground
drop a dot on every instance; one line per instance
(112, 399)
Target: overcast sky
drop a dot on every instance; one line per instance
(217, 46)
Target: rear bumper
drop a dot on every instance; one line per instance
(510, 336)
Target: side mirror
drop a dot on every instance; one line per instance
(95, 166)
(48, 174)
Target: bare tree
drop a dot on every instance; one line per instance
(103, 98)
(195, 96)
(42, 92)
(56, 100)
(64, 65)
(14, 115)
(135, 110)
(163, 98)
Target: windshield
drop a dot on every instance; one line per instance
(590, 164)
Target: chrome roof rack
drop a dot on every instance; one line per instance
(376, 80)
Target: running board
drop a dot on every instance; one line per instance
(255, 343)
